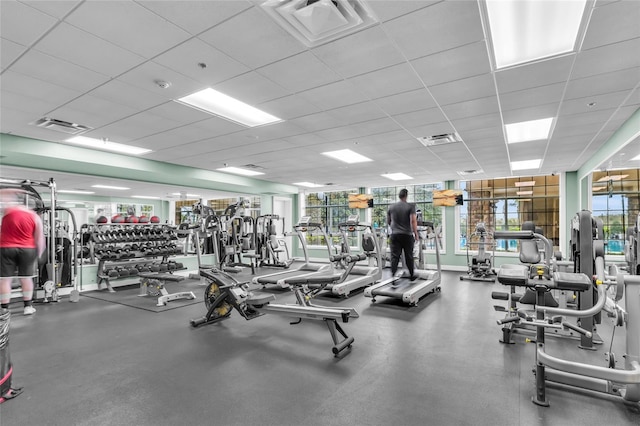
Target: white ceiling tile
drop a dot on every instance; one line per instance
(357, 113)
(472, 108)
(418, 118)
(216, 126)
(431, 129)
(527, 151)
(12, 23)
(121, 22)
(171, 138)
(299, 72)
(603, 83)
(57, 9)
(130, 95)
(289, 107)
(145, 76)
(534, 75)
(92, 111)
(252, 88)
(613, 57)
(585, 119)
(449, 24)
(86, 50)
(334, 95)
(186, 58)
(454, 64)
(317, 121)
(388, 81)
(9, 52)
(480, 86)
(36, 107)
(134, 127)
(359, 53)
(53, 70)
(604, 101)
(257, 40)
(179, 112)
(197, 15)
(387, 10)
(531, 97)
(400, 103)
(613, 23)
(30, 87)
(532, 113)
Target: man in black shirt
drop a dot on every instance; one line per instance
(401, 217)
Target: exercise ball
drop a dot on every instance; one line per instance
(143, 219)
(131, 219)
(117, 219)
(154, 219)
(102, 219)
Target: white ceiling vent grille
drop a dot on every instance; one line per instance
(314, 22)
(61, 126)
(252, 167)
(440, 139)
(470, 172)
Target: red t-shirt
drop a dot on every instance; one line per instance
(18, 228)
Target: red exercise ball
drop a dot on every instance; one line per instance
(131, 219)
(154, 219)
(102, 219)
(143, 219)
(117, 219)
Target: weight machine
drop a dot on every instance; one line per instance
(632, 248)
(480, 266)
(270, 246)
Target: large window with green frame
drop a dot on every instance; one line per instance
(505, 204)
(616, 201)
(421, 195)
(330, 209)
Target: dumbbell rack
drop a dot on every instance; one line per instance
(124, 250)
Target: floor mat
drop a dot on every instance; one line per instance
(129, 296)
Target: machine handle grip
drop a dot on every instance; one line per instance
(508, 320)
(513, 235)
(578, 329)
(351, 258)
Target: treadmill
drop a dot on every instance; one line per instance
(427, 281)
(307, 268)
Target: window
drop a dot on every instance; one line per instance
(330, 209)
(616, 201)
(504, 204)
(421, 195)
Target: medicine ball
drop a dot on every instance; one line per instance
(154, 219)
(131, 219)
(143, 219)
(117, 219)
(102, 219)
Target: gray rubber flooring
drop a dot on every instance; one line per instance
(100, 363)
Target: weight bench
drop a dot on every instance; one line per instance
(153, 284)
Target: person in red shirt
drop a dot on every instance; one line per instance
(21, 245)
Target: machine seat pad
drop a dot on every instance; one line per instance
(325, 279)
(571, 281)
(162, 277)
(511, 275)
(260, 299)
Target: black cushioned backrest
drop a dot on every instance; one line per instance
(367, 243)
(529, 252)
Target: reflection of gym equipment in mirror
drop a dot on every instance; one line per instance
(480, 265)
(224, 293)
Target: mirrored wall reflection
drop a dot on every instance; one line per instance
(615, 200)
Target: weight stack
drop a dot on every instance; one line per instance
(6, 368)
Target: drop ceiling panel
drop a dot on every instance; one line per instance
(604, 101)
(454, 64)
(145, 75)
(479, 122)
(357, 113)
(299, 72)
(9, 52)
(252, 88)
(257, 40)
(86, 50)
(141, 97)
(195, 16)
(480, 86)
(608, 58)
(603, 83)
(419, 118)
(623, 16)
(537, 74)
(388, 81)
(359, 53)
(12, 20)
(527, 150)
(121, 22)
(431, 129)
(135, 127)
(451, 23)
(36, 88)
(586, 119)
(185, 58)
(401, 103)
(37, 107)
(57, 9)
(289, 107)
(334, 95)
(171, 138)
(531, 113)
(387, 10)
(179, 112)
(472, 108)
(92, 111)
(531, 97)
(56, 71)
(315, 122)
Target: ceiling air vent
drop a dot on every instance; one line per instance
(315, 22)
(439, 139)
(252, 167)
(470, 172)
(61, 126)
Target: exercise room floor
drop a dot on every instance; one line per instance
(101, 363)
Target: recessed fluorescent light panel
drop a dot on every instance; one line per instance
(145, 197)
(308, 184)
(528, 30)
(524, 192)
(117, 188)
(396, 176)
(216, 103)
(525, 165)
(107, 145)
(524, 131)
(347, 156)
(73, 191)
(177, 194)
(527, 183)
(636, 158)
(239, 171)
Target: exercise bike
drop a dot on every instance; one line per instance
(224, 293)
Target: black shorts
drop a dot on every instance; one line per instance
(17, 262)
